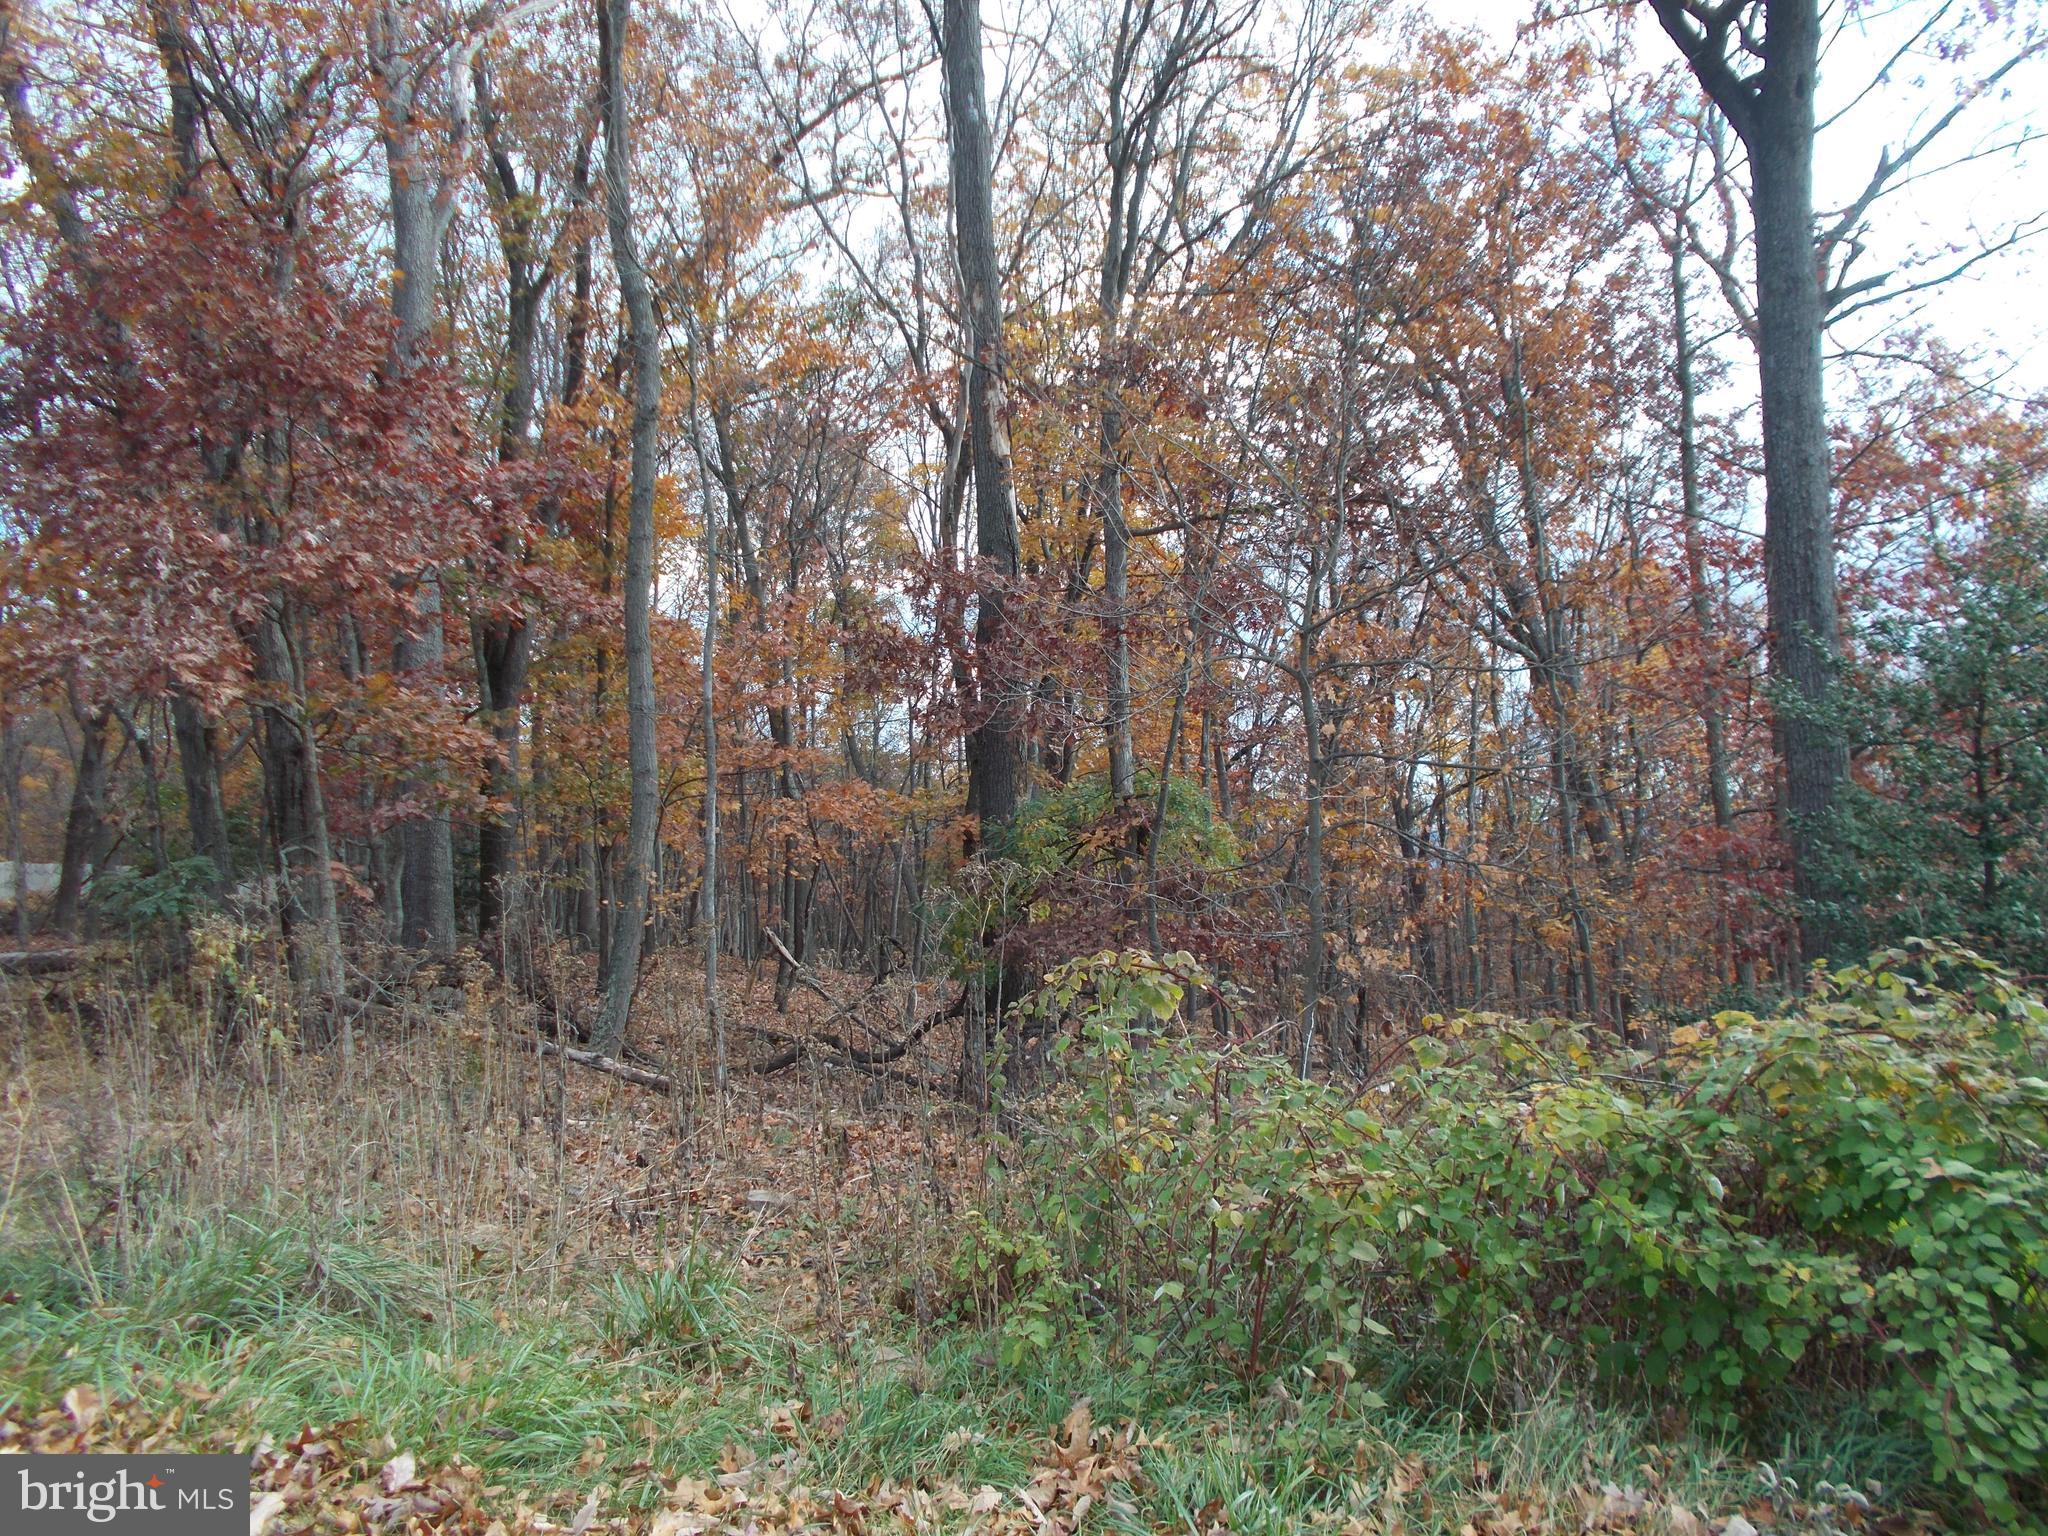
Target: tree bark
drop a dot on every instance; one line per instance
(1799, 548)
(708, 679)
(1712, 720)
(1116, 584)
(296, 806)
(622, 970)
(1773, 112)
(200, 769)
(421, 207)
(995, 736)
(17, 855)
(82, 822)
(504, 643)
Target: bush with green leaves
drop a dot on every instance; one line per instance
(1067, 864)
(1014, 1282)
(160, 900)
(1205, 1197)
(1077, 824)
(1850, 1195)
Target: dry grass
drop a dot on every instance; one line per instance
(428, 1231)
(430, 1123)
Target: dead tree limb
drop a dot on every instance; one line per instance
(837, 1050)
(597, 1061)
(37, 962)
(894, 1049)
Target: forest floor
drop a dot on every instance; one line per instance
(433, 1280)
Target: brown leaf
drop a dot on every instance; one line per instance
(82, 1403)
(399, 1473)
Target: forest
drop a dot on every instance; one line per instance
(1136, 765)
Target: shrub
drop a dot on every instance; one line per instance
(1068, 865)
(1013, 1281)
(155, 901)
(1852, 1192)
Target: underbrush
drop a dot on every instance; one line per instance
(1213, 1295)
(676, 1379)
(1840, 1210)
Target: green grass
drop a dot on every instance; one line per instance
(673, 1366)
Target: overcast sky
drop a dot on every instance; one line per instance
(1998, 308)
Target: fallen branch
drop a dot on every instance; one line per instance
(858, 1055)
(37, 962)
(873, 1061)
(794, 1050)
(597, 1061)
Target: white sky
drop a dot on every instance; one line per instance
(1998, 309)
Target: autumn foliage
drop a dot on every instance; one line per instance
(1385, 500)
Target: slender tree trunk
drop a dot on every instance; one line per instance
(727, 487)
(623, 969)
(152, 785)
(995, 735)
(200, 770)
(17, 855)
(504, 642)
(1693, 518)
(420, 211)
(1116, 588)
(289, 746)
(709, 904)
(993, 754)
(1799, 548)
(1314, 958)
(1694, 522)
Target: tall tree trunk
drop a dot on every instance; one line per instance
(622, 971)
(1799, 548)
(17, 846)
(1116, 590)
(421, 207)
(781, 730)
(504, 649)
(200, 769)
(17, 852)
(1772, 109)
(1693, 517)
(1314, 958)
(995, 735)
(296, 807)
(994, 740)
(82, 823)
(504, 644)
(707, 904)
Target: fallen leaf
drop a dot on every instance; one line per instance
(83, 1405)
(263, 1512)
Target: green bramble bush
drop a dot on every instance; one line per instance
(1849, 1194)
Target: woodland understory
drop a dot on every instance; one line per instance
(1148, 765)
